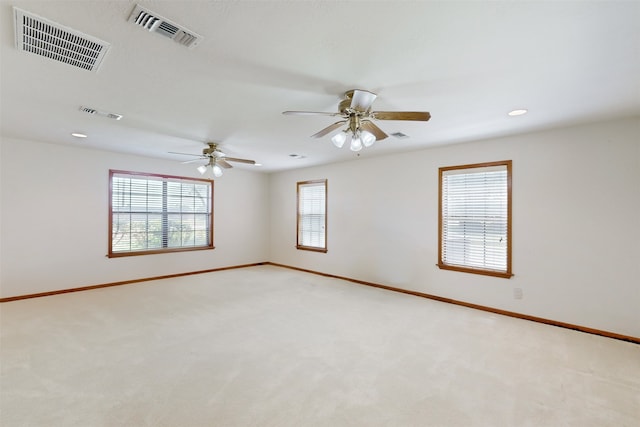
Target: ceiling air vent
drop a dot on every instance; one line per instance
(400, 135)
(106, 114)
(43, 37)
(157, 24)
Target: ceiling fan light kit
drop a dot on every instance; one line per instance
(359, 139)
(212, 168)
(355, 110)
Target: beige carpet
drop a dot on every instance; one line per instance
(269, 346)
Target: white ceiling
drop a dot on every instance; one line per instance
(467, 63)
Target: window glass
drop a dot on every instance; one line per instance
(152, 213)
(475, 218)
(311, 215)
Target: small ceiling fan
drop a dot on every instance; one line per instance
(355, 110)
(216, 160)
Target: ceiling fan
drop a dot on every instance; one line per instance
(216, 160)
(355, 110)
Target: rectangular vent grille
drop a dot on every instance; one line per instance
(106, 114)
(157, 24)
(88, 110)
(168, 29)
(41, 36)
(400, 135)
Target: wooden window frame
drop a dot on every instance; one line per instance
(299, 214)
(496, 273)
(163, 178)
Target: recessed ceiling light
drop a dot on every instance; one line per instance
(79, 135)
(517, 112)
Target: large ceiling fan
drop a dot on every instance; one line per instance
(216, 160)
(355, 110)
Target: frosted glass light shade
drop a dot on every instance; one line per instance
(356, 144)
(217, 171)
(202, 169)
(339, 139)
(367, 138)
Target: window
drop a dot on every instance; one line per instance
(312, 218)
(158, 213)
(475, 218)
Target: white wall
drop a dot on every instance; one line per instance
(576, 224)
(54, 221)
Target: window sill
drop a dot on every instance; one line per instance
(311, 248)
(159, 251)
(503, 274)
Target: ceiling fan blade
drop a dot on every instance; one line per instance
(223, 163)
(194, 160)
(401, 115)
(362, 100)
(375, 130)
(310, 113)
(233, 159)
(328, 129)
(185, 154)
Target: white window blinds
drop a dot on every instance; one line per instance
(156, 213)
(311, 217)
(475, 218)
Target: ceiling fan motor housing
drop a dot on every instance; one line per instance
(344, 105)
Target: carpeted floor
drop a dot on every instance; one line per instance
(269, 346)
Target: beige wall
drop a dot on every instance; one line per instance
(576, 224)
(54, 223)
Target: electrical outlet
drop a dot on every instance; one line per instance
(517, 293)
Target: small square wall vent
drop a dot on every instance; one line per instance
(155, 23)
(43, 37)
